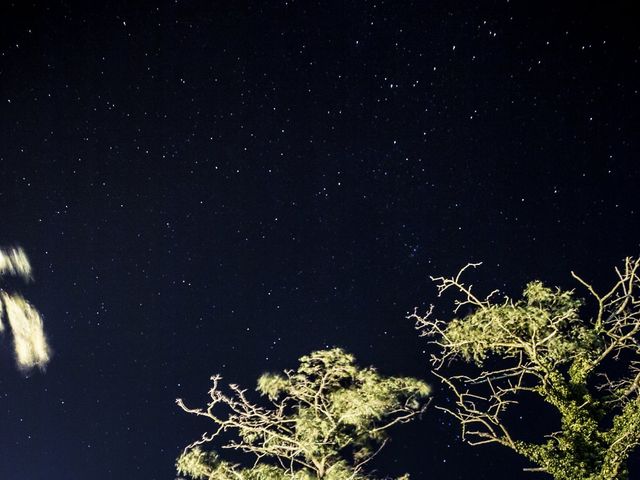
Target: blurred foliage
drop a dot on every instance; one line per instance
(30, 344)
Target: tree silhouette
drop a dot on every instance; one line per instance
(29, 340)
(540, 344)
(325, 420)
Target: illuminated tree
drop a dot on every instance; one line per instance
(325, 420)
(542, 345)
(29, 340)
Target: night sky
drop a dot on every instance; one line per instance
(222, 187)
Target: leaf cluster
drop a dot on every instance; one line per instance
(545, 318)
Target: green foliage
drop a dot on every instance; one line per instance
(541, 344)
(200, 465)
(497, 328)
(326, 420)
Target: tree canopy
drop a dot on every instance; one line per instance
(542, 344)
(325, 420)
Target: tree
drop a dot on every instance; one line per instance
(540, 344)
(325, 420)
(29, 340)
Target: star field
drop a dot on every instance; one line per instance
(209, 187)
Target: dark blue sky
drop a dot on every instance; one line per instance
(222, 187)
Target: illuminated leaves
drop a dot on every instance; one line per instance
(326, 420)
(540, 344)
